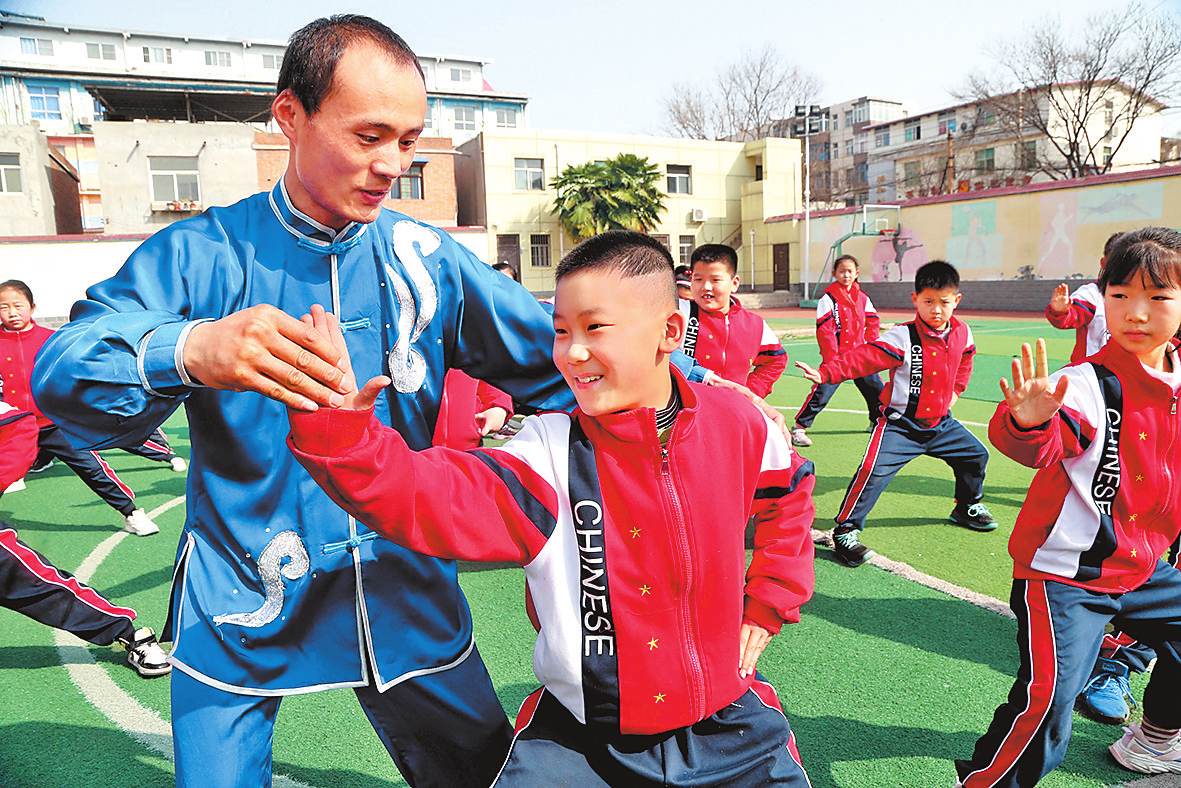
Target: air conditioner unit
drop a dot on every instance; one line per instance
(699, 215)
(84, 121)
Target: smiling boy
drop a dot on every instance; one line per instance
(629, 519)
(930, 363)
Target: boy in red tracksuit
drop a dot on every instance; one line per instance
(469, 410)
(1104, 507)
(845, 319)
(628, 518)
(930, 360)
(33, 587)
(723, 337)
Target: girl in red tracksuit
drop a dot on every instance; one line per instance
(845, 318)
(469, 410)
(1105, 436)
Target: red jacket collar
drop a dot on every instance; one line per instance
(637, 425)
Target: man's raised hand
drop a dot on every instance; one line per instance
(327, 325)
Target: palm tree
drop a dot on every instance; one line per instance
(620, 194)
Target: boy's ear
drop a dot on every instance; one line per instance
(958, 297)
(674, 331)
(914, 299)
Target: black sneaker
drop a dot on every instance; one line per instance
(41, 465)
(848, 549)
(976, 517)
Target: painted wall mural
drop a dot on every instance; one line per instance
(1058, 239)
(974, 246)
(897, 256)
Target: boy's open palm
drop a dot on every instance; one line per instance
(1060, 300)
(810, 373)
(329, 326)
(1031, 399)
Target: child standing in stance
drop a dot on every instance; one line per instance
(845, 319)
(629, 518)
(1104, 507)
(930, 363)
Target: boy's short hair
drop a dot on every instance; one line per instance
(1154, 252)
(936, 275)
(309, 64)
(715, 253)
(630, 253)
(20, 287)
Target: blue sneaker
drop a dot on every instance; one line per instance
(1106, 696)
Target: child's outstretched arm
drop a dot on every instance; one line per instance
(811, 373)
(1032, 401)
(1060, 300)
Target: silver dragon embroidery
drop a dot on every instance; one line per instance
(272, 570)
(407, 366)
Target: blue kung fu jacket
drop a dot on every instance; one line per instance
(277, 590)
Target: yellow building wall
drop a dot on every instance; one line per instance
(1046, 231)
(722, 173)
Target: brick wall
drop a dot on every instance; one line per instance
(1014, 295)
(270, 151)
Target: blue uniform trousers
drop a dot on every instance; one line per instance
(747, 744)
(896, 441)
(444, 730)
(1059, 630)
(870, 387)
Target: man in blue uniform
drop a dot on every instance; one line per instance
(278, 591)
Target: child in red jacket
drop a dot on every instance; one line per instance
(845, 319)
(720, 335)
(629, 518)
(1104, 507)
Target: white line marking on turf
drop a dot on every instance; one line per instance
(137, 721)
(788, 408)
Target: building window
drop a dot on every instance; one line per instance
(217, 58)
(985, 160)
(100, 51)
(881, 138)
(985, 117)
(506, 118)
(37, 46)
(910, 174)
(848, 117)
(685, 249)
(100, 112)
(10, 172)
(1106, 155)
(860, 113)
(861, 143)
(680, 178)
(272, 61)
(409, 186)
(914, 130)
(860, 174)
(174, 178)
(158, 55)
(1029, 155)
(465, 118)
(530, 174)
(44, 103)
(946, 123)
(539, 251)
(461, 75)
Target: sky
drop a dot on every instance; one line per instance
(609, 66)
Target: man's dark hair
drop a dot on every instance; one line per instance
(20, 287)
(1154, 252)
(309, 64)
(936, 275)
(631, 254)
(715, 253)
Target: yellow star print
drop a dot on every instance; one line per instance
(645, 590)
(1143, 436)
(1132, 517)
(660, 697)
(635, 532)
(1139, 477)
(1133, 552)
(652, 644)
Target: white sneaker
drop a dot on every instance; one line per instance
(178, 464)
(140, 524)
(145, 655)
(799, 437)
(16, 486)
(1136, 753)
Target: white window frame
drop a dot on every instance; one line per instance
(414, 175)
(219, 58)
(528, 171)
(506, 118)
(161, 55)
(44, 113)
(99, 51)
(539, 251)
(461, 74)
(468, 123)
(42, 47)
(276, 61)
(175, 174)
(10, 174)
(678, 178)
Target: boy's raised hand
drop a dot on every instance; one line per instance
(1060, 300)
(329, 326)
(1030, 399)
(810, 373)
